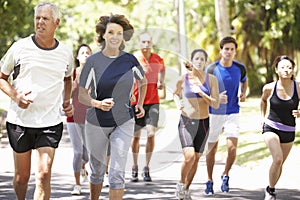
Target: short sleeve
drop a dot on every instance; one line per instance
(162, 65)
(137, 69)
(8, 61)
(70, 66)
(86, 75)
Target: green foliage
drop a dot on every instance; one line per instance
(16, 22)
(264, 29)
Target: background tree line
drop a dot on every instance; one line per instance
(264, 29)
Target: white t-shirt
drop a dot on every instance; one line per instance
(41, 71)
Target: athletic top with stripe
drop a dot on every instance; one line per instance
(280, 116)
(188, 93)
(229, 79)
(107, 77)
(41, 71)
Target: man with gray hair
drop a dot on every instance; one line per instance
(41, 69)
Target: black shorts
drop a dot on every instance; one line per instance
(284, 136)
(193, 133)
(150, 118)
(23, 139)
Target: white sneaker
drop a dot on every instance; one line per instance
(76, 190)
(105, 181)
(269, 196)
(187, 195)
(180, 191)
(84, 175)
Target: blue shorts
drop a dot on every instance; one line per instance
(23, 139)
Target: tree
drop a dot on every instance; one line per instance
(222, 18)
(16, 22)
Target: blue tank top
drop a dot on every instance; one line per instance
(187, 88)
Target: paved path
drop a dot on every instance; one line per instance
(245, 182)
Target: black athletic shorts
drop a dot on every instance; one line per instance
(151, 117)
(284, 136)
(23, 139)
(193, 133)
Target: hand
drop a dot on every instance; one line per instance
(132, 98)
(139, 110)
(179, 103)
(24, 100)
(296, 113)
(196, 89)
(188, 65)
(223, 97)
(68, 108)
(242, 97)
(107, 104)
(160, 85)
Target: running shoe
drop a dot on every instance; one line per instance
(187, 195)
(76, 190)
(209, 188)
(84, 175)
(269, 195)
(180, 191)
(225, 184)
(134, 175)
(146, 174)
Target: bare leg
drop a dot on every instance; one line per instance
(107, 164)
(151, 130)
(279, 153)
(135, 146)
(210, 159)
(189, 159)
(77, 178)
(192, 171)
(231, 154)
(22, 173)
(95, 190)
(116, 194)
(45, 156)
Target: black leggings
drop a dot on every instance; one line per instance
(193, 133)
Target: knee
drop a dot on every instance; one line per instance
(43, 176)
(150, 139)
(136, 140)
(190, 159)
(278, 160)
(22, 179)
(232, 150)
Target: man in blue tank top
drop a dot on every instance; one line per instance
(231, 77)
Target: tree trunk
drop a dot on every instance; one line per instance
(222, 18)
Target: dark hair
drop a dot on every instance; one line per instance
(188, 65)
(283, 57)
(118, 19)
(199, 50)
(77, 51)
(226, 40)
